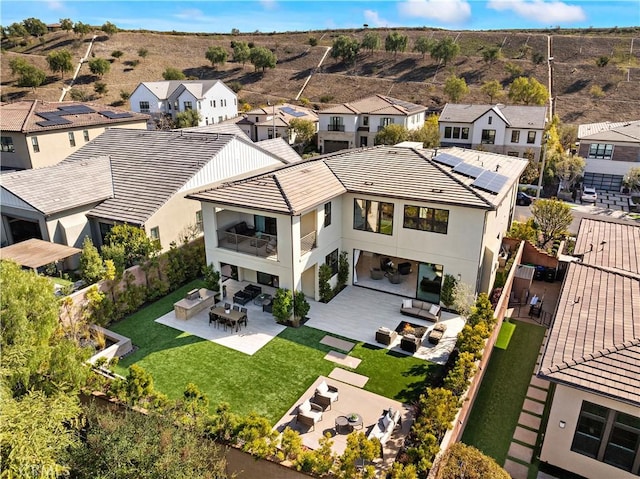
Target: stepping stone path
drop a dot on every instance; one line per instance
(523, 444)
(337, 343)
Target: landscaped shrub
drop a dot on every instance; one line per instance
(457, 380)
(324, 275)
(300, 306)
(256, 436)
(317, 461)
(359, 451)
(290, 445)
(282, 307)
(343, 272)
(91, 266)
(446, 294)
(211, 278)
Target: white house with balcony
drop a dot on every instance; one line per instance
(356, 124)
(405, 218)
(214, 100)
(514, 130)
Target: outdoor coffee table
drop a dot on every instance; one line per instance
(355, 420)
(341, 423)
(262, 299)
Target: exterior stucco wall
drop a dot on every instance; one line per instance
(174, 219)
(556, 448)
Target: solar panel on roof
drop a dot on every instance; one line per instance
(75, 109)
(290, 111)
(405, 104)
(490, 181)
(54, 121)
(113, 115)
(466, 169)
(446, 159)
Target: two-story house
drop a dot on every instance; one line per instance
(260, 123)
(513, 130)
(37, 133)
(214, 100)
(420, 214)
(592, 357)
(610, 150)
(138, 177)
(356, 124)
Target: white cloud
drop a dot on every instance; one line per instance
(192, 14)
(54, 5)
(373, 19)
(444, 11)
(541, 11)
(268, 4)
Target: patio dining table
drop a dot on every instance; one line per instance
(232, 316)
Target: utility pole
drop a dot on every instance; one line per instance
(545, 137)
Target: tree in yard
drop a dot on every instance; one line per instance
(173, 74)
(100, 88)
(445, 50)
(392, 134)
(632, 179)
(423, 45)
(60, 61)
(463, 298)
(91, 266)
(137, 245)
(359, 451)
(264, 58)
(81, 29)
(216, 55)
(302, 131)
(446, 294)
(569, 169)
(345, 48)
(371, 42)
(531, 173)
(528, 91)
(241, 52)
(99, 66)
(455, 88)
(553, 217)
(491, 54)
(300, 306)
(492, 89)
(188, 118)
(395, 42)
(66, 24)
(428, 134)
(282, 308)
(109, 28)
(35, 27)
(117, 54)
(465, 461)
(527, 231)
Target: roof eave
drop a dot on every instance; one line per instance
(587, 389)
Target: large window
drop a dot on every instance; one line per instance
(6, 143)
(188, 105)
(515, 136)
(35, 144)
(144, 107)
(601, 151)
(374, 216)
(336, 123)
(385, 121)
(609, 436)
(488, 137)
(426, 219)
(531, 137)
(457, 132)
(327, 214)
(332, 261)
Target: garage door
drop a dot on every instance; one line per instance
(603, 182)
(331, 145)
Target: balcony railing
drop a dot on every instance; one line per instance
(262, 245)
(336, 128)
(308, 242)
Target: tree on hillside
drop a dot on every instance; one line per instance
(188, 118)
(392, 135)
(17, 65)
(99, 66)
(35, 27)
(100, 88)
(428, 134)
(66, 24)
(491, 54)
(241, 52)
(109, 28)
(445, 50)
(264, 58)
(81, 29)
(345, 48)
(16, 30)
(528, 91)
(492, 89)
(371, 41)
(462, 461)
(117, 54)
(423, 45)
(455, 88)
(31, 76)
(60, 61)
(173, 74)
(303, 131)
(216, 55)
(553, 218)
(395, 42)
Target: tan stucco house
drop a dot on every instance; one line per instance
(592, 357)
(37, 133)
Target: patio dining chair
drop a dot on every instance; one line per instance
(244, 319)
(227, 306)
(236, 307)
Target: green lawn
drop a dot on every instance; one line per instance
(506, 331)
(499, 402)
(269, 381)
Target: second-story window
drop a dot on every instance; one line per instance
(327, 214)
(336, 123)
(85, 134)
(72, 139)
(188, 105)
(488, 137)
(199, 222)
(365, 120)
(373, 216)
(515, 136)
(331, 260)
(386, 121)
(490, 120)
(426, 219)
(531, 137)
(144, 107)
(34, 144)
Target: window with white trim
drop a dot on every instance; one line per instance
(34, 144)
(144, 107)
(72, 139)
(600, 151)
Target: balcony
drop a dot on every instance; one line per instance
(335, 128)
(308, 242)
(261, 245)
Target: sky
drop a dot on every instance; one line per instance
(220, 16)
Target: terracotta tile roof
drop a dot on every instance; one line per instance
(594, 342)
(33, 116)
(377, 105)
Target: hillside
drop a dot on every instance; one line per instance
(407, 75)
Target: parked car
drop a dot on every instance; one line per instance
(523, 199)
(589, 195)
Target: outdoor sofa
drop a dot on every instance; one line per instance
(239, 232)
(383, 429)
(420, 309)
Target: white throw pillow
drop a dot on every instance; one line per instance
(386, 421)
(383, 329)
(305, 407)
(434, 309)
(407, 303)
(323, 388)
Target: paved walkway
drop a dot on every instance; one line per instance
(523, 444)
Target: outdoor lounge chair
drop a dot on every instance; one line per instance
(410, 343)
(385, 336)
(309, 414)
(325, 395)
